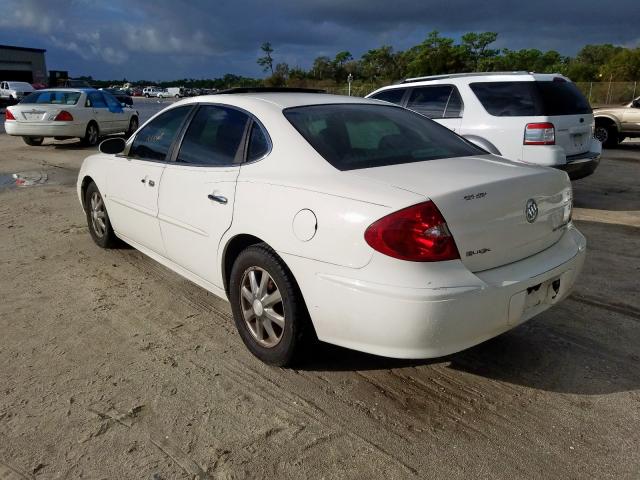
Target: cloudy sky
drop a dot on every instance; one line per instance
(168, 39)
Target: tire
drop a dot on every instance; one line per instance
(146, 95)
(133, 126)
(99, 225)
(177, 96)
(607, 134)
(293, 328)
(92, 135)
(33, 141)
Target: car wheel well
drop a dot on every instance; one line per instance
(605, 122)
(236, 245)
(86, 181)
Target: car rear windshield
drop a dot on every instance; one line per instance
(520, 99)
(52, 97)
(352, 136)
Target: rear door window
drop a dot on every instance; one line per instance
(96, 100)
(393, 96)
(213, 137)
(438, 101)
(155, 138)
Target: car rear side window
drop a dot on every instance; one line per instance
(519, 99)
(155, 138)
(393, 95)
(352, 136)
(439, 101)
(258, 143)
(52, 97)
(96, 100)
(213, 137)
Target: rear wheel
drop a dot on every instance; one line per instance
(92, 135)
(268, 308)
(33, 141)
(133, 126)
(98, 218)
(607, 134)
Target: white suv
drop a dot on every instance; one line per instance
(528, 117)
(14, 91)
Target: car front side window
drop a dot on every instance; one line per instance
(213, 137)
(155, 138)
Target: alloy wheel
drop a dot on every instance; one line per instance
(602, 134)
(92, 134)
(262, 307)
(98, 215)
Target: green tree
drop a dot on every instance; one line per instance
(476, 46)
(435, 55)
(266, 61)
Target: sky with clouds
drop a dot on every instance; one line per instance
(170, 39)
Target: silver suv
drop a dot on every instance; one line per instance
(533, 118)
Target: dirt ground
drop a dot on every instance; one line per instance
(113, 367)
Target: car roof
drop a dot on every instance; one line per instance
(486, 76)
(281, 100)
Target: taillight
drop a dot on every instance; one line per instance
(64, 116)
(8, 115)
(418, 234)
(539, 134)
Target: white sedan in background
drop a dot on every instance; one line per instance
(65, 113)
(353, 220)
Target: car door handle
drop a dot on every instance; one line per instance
(217, 198)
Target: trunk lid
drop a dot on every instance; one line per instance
(483, 200)
(35, 113)
(573, 132)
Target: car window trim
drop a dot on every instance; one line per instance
(406, 99)
(168, 156)
(241, 154)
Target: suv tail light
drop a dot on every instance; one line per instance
(64, 116)
(540, 134)
(418, 234)
(8, 115)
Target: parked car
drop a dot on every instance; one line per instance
(533, 118)
(65, 113)
(614, 124)
(121, 95)
(161, 93)
(360, 221)
(136, 92)
(150, 91)
(13, 92)
(176, 92)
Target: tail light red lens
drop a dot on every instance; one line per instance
(8, 115)
(418, 234)
(540, 134)
(64, 116)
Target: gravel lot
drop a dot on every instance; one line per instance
(112, 366)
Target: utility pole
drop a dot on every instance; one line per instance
(349, 79)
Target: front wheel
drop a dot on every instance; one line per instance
(268, 308)
(33, 141)
(98, 218)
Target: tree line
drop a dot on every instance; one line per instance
(435, 55)
(440, 55)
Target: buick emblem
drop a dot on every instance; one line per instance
(531, 210)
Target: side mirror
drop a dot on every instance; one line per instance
(112, 146)
(636, 103)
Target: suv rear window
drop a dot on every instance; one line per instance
(520, 99)
(352, 136)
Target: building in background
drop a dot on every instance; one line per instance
(23, 64)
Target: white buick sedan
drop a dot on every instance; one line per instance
(65, 113)
(353, 220)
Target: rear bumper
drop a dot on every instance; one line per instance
(580, 166)
(58, 129)
(458, 309)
